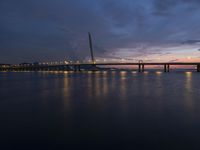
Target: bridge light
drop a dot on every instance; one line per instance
(188, 74)
(158, 72)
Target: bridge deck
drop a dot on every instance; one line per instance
(152, 63)
(78, 66)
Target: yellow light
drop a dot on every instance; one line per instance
(188, 73)
(158, 72)
(65, 72)
(104, 72)
(134, 72)
(123, 72)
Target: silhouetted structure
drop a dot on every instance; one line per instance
(80, 66)
(89, 66)
(91, 48)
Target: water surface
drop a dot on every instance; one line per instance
(99, 110)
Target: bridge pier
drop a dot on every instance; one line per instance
(198, 68)
(75, 68)
(142, 67)
(139, 68)
(79, 67)
(166, 68)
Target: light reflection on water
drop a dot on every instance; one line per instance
(101, 106)
(188, 96)
(66, 93)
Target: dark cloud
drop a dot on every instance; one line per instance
(169, 7)
(51, 30)
(164, 7)
(191, 42)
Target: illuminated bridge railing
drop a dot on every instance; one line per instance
(78, 66)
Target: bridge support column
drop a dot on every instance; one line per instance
(79, 67)
(165, 68)
(168, 68)
(139, 68)
(198, 68)
(142, 67)
(75, 68)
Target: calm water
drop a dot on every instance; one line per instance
(101, 110)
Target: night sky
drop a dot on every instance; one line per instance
(50, 30)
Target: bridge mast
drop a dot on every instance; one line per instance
(91, 48)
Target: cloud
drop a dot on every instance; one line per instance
(43, 30)
(174, 60)
(170, 7)
(191, 42)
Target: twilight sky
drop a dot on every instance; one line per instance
(50, 30)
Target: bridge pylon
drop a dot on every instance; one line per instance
(91, 48)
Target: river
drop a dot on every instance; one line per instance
(99, 110)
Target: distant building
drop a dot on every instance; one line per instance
(25, 64)
(5, 65)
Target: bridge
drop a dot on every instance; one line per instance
(93, 65)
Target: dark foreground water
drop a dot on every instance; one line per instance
(100, 110)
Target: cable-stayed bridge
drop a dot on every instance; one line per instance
(92, 65)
